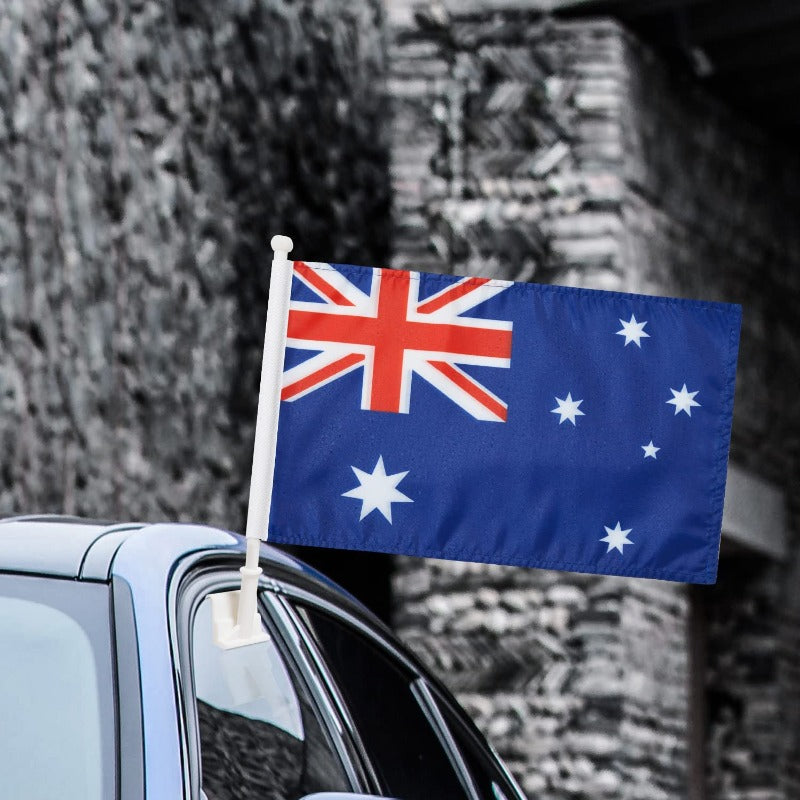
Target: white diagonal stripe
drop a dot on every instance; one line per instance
(339, 282)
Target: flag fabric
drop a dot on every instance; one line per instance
(523, 424)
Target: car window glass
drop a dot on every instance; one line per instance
(487, 775)
(260, 735)
(401, 743)
(55, 682)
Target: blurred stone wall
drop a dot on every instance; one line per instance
(753, 689)
(580, 682)
(507, 155)
(711, 211)
(148, 151)
(711, 205)
(534, 148)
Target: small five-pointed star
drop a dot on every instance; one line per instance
(568, 409)
(633, 331)
(616, 538)
(377, 490)
(650, 450)
(683, 400)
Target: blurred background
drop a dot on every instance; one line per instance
(150, 148)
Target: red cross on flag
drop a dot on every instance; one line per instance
(391, 334)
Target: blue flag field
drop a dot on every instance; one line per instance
(524, 424)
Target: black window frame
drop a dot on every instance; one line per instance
(208, 578)
(419, 686)
(476, 739)
(350, 740)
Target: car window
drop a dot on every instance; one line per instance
(56, 690)
(488, 777)
(401, 743)
(260, 735)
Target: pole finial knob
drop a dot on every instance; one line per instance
(282, 244)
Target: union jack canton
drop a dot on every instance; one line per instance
(392, 334)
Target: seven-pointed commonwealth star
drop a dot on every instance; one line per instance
(568, 409)
(650, 450)
(377, 490)
(633, 331)
(617, 538)
(683, 400)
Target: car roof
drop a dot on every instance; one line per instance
(71, 547)
(48, 545)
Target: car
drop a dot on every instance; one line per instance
(111, 684)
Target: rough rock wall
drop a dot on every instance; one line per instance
(509, 161)
(711, 211)
(532, 148)
(711, 208)
(148, 150)
(507, 155)
(744, 684)
(578, 681)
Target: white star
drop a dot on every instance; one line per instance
(377, 490)
(617, 538)
(568, 409)
(633, 331)
(650, 450)
(683, 400)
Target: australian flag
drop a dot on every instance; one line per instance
(485, 420)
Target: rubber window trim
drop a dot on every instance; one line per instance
(289, 593)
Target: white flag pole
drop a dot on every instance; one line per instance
(248, 628)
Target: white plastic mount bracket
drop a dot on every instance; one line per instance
(227, 634)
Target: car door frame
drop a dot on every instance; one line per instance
(425, 687)
(277, 589)
(197, 583)
(286, 592)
